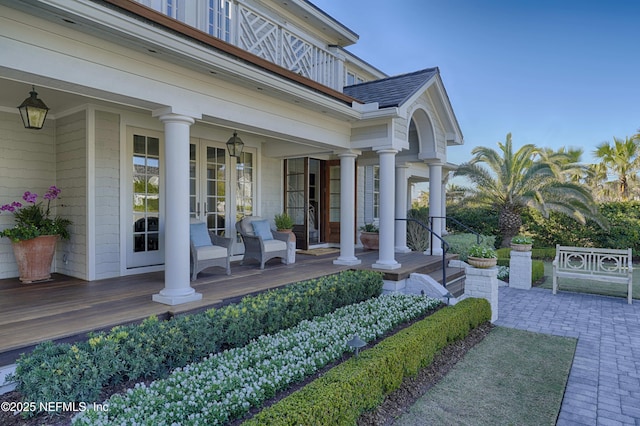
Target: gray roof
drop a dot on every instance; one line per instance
(392, 91)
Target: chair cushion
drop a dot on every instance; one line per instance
(199, 234)
(211, 252)
(274, 245)
(246, 224)
(262, 229)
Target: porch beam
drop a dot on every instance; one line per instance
(177, 278)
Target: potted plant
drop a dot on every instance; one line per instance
(369, 236)
(482, 256)
(35, 234)
(521, 243)
(284, 223)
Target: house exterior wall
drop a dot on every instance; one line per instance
(107, 194)
(27, 163)
(71, 170)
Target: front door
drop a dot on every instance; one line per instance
(332, 201)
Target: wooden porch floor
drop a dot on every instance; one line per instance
(67, 308)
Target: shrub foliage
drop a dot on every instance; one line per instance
(77, 373)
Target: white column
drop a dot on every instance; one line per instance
(386, 259)
(347, 210)
(435, 203)
(443, 208)
(402, 185)
(177, 284)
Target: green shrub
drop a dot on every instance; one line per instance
(359, 384)
(461, 243)
(70, 373)
(537, 267)
(546, 253)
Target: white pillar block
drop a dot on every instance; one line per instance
(347, 210)
(483, 283)
(177, 282)
(386, 253)
(520, 270)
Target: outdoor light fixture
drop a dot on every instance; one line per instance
(357, 343)
(33, 111)
(235, 145)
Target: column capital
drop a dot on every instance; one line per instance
(348, 153)
(387, 151)
(168, 114)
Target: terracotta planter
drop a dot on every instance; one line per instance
(370, 240)
(34, 257)
(482, 262)
(292, 236)
(521, 247)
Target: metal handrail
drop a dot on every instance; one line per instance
(477, 234)
(444, 244)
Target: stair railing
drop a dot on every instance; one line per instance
(462, 225)
(443, 243)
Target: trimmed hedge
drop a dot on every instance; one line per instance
(545, 253)
(64, 372)
(359, 384)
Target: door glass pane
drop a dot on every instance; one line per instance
(216, 182)
(244, 189)
(295, 190)
(146, 193)
(334, 193)
(193, 208)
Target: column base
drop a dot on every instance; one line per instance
(404, 249)
(386, 266)
(347, 261)
(176, 299)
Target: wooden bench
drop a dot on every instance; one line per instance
(608, 265)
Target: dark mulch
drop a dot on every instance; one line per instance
(393, 406)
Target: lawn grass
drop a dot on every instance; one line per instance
(590, 286)
(511, 377)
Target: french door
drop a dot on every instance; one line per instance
(222, 188)
(312, 199)
(145, 242)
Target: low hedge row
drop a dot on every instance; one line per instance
(64, 372)
(544, 253)
(537, 268)
(359, 384)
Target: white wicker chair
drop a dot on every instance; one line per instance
(259, 248)
(208, 249)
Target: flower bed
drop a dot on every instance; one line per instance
(224, 386)
(75, 373)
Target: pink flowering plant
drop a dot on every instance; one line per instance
(33, 218)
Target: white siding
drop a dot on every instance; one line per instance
(107, 209)
(27, 163)
(271, 187)
(72, 180)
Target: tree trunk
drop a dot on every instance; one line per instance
(509, 223)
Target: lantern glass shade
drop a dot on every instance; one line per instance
(33, 111)
(235, 145)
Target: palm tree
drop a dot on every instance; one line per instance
(622, 158)
(529, 177)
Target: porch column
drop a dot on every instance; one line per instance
(177, 283)
(386, 253)
(347, 210)
(443, 210)
(435, 203)
(402, 187)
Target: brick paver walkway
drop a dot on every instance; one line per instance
(604, 383)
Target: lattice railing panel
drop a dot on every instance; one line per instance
(258, 35)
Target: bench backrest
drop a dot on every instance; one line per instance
(595, 261)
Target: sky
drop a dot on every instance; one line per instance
(552, 72)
